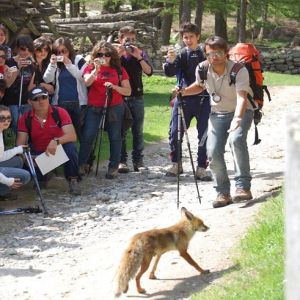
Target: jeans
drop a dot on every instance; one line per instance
(13, 168)
(73, 108)
(198, 107)
(70, 167)
(89, 133)
(136, 106)
(216, 142)
(15, 114)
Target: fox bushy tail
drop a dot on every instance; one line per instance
(129, 265)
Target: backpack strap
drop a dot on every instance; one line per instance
(234, 71)
(203, 69)
(56, 116)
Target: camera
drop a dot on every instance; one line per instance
(128, 46)
(99, 61)
(60, 58)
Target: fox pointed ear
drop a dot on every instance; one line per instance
(186, 213)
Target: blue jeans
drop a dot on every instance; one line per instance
(15, 114)
(216, 142)
(136, 106)
(13, 168)
(194, 106)
(89, 133)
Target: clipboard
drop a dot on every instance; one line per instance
(47, 163)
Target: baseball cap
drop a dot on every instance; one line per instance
(37, 92)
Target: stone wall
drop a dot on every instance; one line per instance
(283, 61)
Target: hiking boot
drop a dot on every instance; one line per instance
(83, 169)
(242, 195)
(8, 197)
(172, 172)
(222, 200)
(139, 166)
(123, 168)
(111, 173)
(203, 175)
(74, 188)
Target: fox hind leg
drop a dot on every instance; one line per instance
(144, 267)
(152, 274)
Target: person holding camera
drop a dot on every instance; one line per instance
(22, 70)
(65, 73)
(12, 176)
(197, 106)
(136, 62)
(230, 118)
(105, 72)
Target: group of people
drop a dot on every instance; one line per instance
(56, 97)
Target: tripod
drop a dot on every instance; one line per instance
(181, 121)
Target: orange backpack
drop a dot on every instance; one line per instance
(249, 56)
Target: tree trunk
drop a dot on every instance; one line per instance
(264, 17)
(186, 12)
(220, 25)
(199, 14)
(238, 20)
(243, 18)
(76, 9)
(180, 10)
(166, 28)
(62, 6)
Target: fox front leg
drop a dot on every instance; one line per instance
(189, 259)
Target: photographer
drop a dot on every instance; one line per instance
(136, 62)
(22, 70)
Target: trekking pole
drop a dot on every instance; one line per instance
(179, 145)
(20, 97)
(188, 144)
(108, 96)
(34, 176)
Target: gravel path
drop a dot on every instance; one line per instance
(74, 253)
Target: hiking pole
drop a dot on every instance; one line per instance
(188, 144)
(20, 97)
(179, 145)
(108, 96)
(34, 176)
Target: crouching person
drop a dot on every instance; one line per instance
(12, 176)
(44, 128)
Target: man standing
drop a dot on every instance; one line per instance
(231, 117)
(44, 128)
(135, 61)
(183, 65)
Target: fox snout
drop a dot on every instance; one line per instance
(204, 228)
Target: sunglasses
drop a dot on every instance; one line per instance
(42, 49)
(4, 118)
(103, 54)
(23, 48)
(3, 56)
(63, 51)
(40, 98)
(217, 54)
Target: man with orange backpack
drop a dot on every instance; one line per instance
(230, 118)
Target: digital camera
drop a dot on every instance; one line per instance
(128, 46)
(60, 58)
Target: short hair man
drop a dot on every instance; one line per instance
(231, 117)
(46, 133)
(12, 176)
(197, 106)
(136, 62)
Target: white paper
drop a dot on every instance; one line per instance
(47, 163)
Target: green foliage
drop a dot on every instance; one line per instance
(277, 79)
(261, 259)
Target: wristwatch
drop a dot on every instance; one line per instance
(56, 140)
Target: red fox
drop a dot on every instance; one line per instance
(145, 245)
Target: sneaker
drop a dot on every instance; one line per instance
(203, 175)
(8, 197)
(222, 200)
(138, 166)
(111, 173)
(242, 195)
(74, 188)
(123, 168)
(172, 172)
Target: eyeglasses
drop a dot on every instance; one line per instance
(63, 51)
(42, 49)
(106, 54)
(217, 54)
(4, 118)
(3, 56)
(40, 98)
(23, 48)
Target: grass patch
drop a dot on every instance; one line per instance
(278, 79)
(261, 260)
